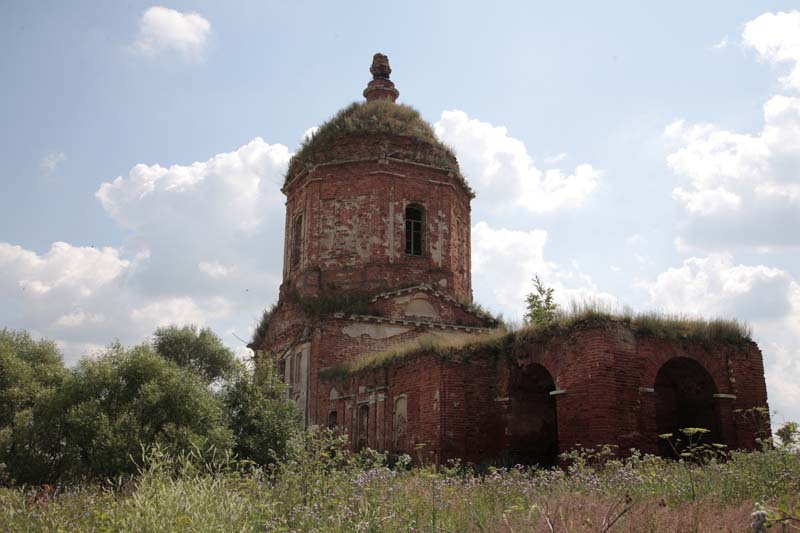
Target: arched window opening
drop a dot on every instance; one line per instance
(414, 230)
(684, 394)
(532, 424)
(333, 420)
(282, 370)
(399, 422)
(363, 427)
(297, 241)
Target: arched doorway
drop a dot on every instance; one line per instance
(684, 393)
(532, 424)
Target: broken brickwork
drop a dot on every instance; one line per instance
(377, 255)
(603, 390)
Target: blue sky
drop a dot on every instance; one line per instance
(630, 153)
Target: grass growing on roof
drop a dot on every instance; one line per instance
(582, 315)
(366, 118)
(260, 330)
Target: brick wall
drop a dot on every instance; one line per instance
(353, 229)
(603, 374)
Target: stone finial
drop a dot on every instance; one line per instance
(380, 68)
(381, 87)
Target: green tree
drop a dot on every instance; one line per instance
(198, 350)
(262, 416)
(29, 371)
(109, 408)
(27, 368)
(789, 436)
(541, 308)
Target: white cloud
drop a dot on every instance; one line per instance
(715, 286)
(505, 261)
(52, 160)
(721, 44)
(776, 38)
(740, 186)
(76, 272)
(78, 318)
(707, 201)
(215, 269)
(768, 298)
(162, 29)
(512, 256)
(502, 172)
(204, 246)
(182, 310)
(225, 193)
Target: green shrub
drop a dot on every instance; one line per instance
(262, 417)
(107, 409)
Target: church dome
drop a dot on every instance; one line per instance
(375, 129)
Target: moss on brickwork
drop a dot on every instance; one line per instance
(378, 117)
(505, 342)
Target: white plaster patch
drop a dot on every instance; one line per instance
(420, 306)
(374, 331)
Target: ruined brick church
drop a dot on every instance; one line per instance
(375, 332)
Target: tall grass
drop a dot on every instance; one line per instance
(369, 118)
(324, 487)
(578, 315)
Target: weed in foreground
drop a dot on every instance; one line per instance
(324, 486)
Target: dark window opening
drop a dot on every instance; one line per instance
(413, 230)
(333, 419)
(297, 241)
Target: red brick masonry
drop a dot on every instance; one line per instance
(604, 384)
(349, 207)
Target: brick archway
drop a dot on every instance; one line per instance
(532, 419)
(684, 395)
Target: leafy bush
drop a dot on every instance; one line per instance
(108, 409)
(262, 417)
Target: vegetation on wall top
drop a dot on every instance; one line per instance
(260, 330)
(370, 118)
(584, 316)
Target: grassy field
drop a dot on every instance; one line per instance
(326, 488)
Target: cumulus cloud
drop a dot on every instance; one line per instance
(162, 30)
(740, 186)
(776, 38)
(204, 246)
(502, 172)
(74, 271)
(768, 298)
(505, 261)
